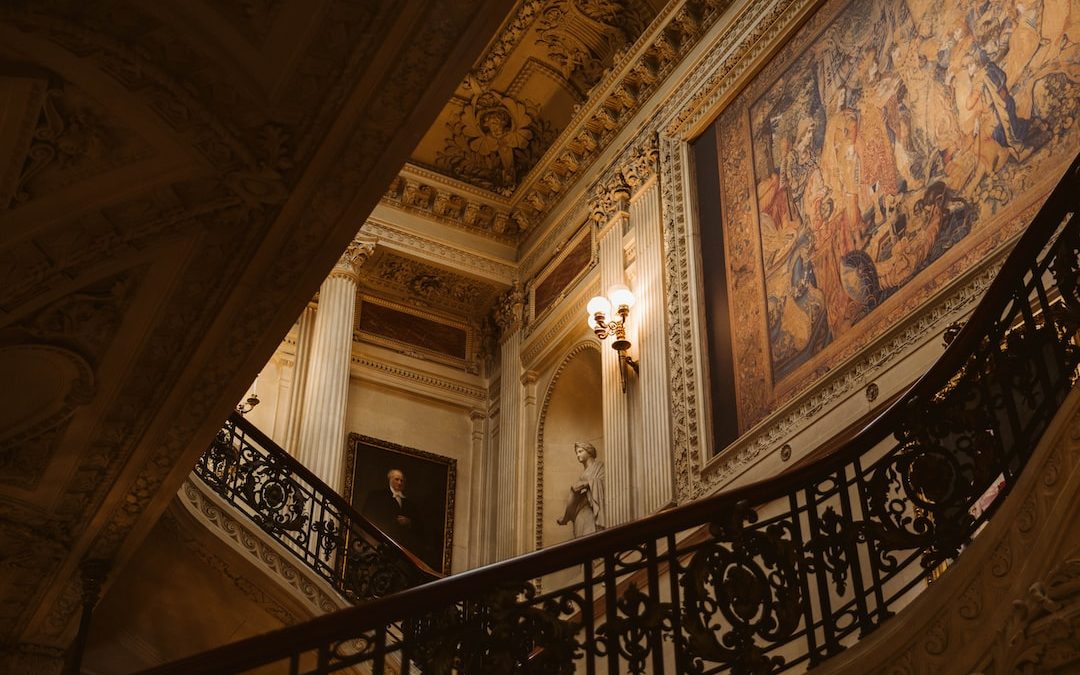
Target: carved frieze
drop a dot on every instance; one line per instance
(584, 36)
(428, 285)
(622, 91)
(428, 197)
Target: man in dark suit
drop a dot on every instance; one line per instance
(394, 513)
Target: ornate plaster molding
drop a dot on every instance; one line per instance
(260, 550)
(356, 254)
(411, 377)
(615, 100)
(430, 194)
(541, 335)
(472, 263)
(43, 605)
(509, 309)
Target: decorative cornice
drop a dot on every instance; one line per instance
(615, 100)
(638, 72)
(502, 47)
(413, 377)
(438, 252)
(750, 36)
(431, 197)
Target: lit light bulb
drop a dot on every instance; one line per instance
(621, 295)
(599, 305)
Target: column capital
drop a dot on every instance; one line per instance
(643, 164)
(610, 199)
(355, 255)
(509, 308)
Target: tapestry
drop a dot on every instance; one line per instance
(885, 149)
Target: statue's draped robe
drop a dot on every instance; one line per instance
(587, 505)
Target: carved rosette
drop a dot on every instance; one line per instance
(356, 254)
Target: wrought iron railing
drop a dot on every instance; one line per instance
(305, 515)
(789, 571)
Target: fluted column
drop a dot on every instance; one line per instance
(507, 504)
(304, 332)
(322, 424)
(618, 465)
(654, 453)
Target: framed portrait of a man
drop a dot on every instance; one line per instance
(405, 492)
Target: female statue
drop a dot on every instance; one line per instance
(585, 508)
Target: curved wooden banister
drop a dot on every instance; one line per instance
(796, 567)
(331, 495)
(309, 519)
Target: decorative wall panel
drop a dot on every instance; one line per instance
(394, 326)
(562, 272)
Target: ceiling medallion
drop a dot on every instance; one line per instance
(494, 138)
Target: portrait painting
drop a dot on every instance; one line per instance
(887, 148)
(407, 493)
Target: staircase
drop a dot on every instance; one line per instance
(312, 521)
(776, 576)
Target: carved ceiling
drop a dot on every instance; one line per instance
(176, 179)
(506, 115)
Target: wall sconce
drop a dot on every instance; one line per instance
(248, 404)
(598, 309)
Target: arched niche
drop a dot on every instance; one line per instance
(572, 411)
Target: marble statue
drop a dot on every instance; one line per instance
(585, 507)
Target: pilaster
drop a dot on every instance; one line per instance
(305, 332)
(477, 462)
(657, 490)
(611, 212)
(508, 502)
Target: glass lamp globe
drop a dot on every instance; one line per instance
(599, 305)
(621, 295)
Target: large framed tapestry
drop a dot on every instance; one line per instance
(422, 520)
(886, 148)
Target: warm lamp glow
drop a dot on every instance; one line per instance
(598, 305)
(621, 295)
(593, 323)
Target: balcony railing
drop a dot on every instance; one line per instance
(774, 576)
(305, 515)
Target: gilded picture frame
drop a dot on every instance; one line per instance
(430, 482)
